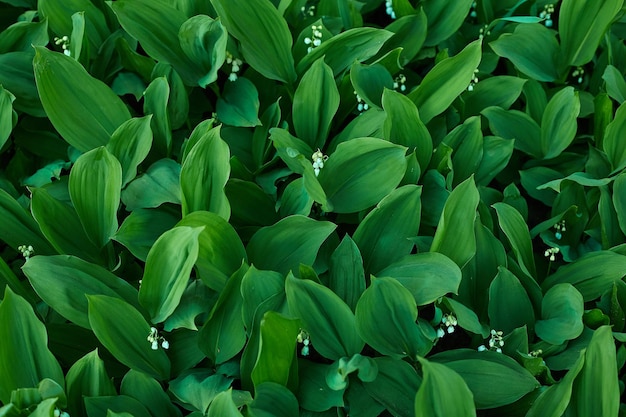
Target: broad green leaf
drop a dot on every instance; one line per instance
(497, 153)
(466, 140)
(291, 149)
(328, 320)
(369, 82)
(494, 378)
(585, 275)
(178, 100)
(24, 356)
(257, 287)
(155, 99)
(17, 76)
(63, 281)
(454, 236)
(86, 117)
(427, 275)
(6, 115)
(220, 251)
(596, 389)
(619, 200)
(395, 386)
(561, 314)
(346, 277)
(142, 228)
(444, 19)
(314, 394)
(10, 280)
(443, 84)
(130, 144)
(264, 36)
(403, 126)
(533, 49)
(466, 318)
(87, 377)
(239, 104)
(559, 124)
(337, 375)
(198, 389)
(223, 334)
(203, 40)
(385, 320)
(509, 305)
(102, 406)
(95, 184)
(55, 218)
(383, 236)
(613, 144)
(224, 406)
(615, 83)
(516, 230)
(271, 399)
(159, 27)
(276, 349)
(149, 392)
(159, 184)
(251, 206)
(292, 241)
(19, 228)
(315, 103)
(360, 173)
(409, 33)
(167, 271)
(204, 174)
(295, 199)
(122, 330)
(342, 50)
(582, 25)
(442, 393)
(514, 124)
(21, 36)
(501, 91)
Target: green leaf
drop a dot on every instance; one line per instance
(290, 149)
(224, 406)
(167, 271)
(6, 115)
(454, 236)
(585, 275)
(494, 378)
(220, 251)
(443, 84)
(501, 91)
(444, 19)
(239, 104)
(619, 200)
(409, 33)
(142, 228)
(87, 378)
(315, 103)
(509, 305)
(360, 173)
(198, 389)
(63, 281)
(95, 184)
(369, 82)
(21, 36)
(277, 348)
(86, 117)
(514, 124)
(159, 184)
(204, 174)
(264, 35)
(292, 241)
(615, 83)
(559, 124)
(24, 356)
(516, 230)
(403, 126)
(442, 393)
(466, 140)
(346, 277)
(148, 391)
(383, 236)
(342, 50)
(314, 394)
(123, 331)
(102, 406)
(16, 75)
(497, 153)
(533, 49)
(395, 386)
(612, 144)
(130, 144)
(203, 40)
(272, 399)
(385, 319)
(328, 320)
(562, 311)
(582, 25)
(155, 99)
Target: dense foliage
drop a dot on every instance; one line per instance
(314, 208)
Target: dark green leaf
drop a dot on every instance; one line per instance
(155, 99)
(615, 83)
(444, 19)
(513, 124)
(501, 91)
(239, 104)
(148, 391)
(87, 378)
(559, 125)
(509, 305)
(159, 184)
(561, 314)
(516, 230)
(130, 144)
(204, 41)
(346, 276)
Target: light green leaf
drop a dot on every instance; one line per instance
(130, 144)
(559, 124)
(203, 40)
(443, 84)
(142, 228)
(292, 241)
(155, 99)
(516, 230)
(6, 115)
(615, 83)
(87, 377)
(613, 144)
(239, 104)
(95, 185)
(86, 117)
(264, 35)
(104, 406)
(159, 184)
(198, 389)
(315, 103)
(274, 400)
(167, 271)
(328, 320)
(148, 391)
(24, 356)
(123, 331)
(619, 200)
(562, 311)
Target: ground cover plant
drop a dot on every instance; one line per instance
(315, 208)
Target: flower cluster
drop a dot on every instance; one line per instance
(550, 253)
(546, 14)
(398, 83)
(389, 9)
(59, 413)
(315, 39)
(318, 161)
(496, 342)
(474, 81)
(484, 31)
(560, 227)
(448, 322)
(473, 13)
(578, 74)
(155, 339)
(361, 105)
(308, 11)
(303, 337)
(26, 251)
(235, 65)
(65, 44)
